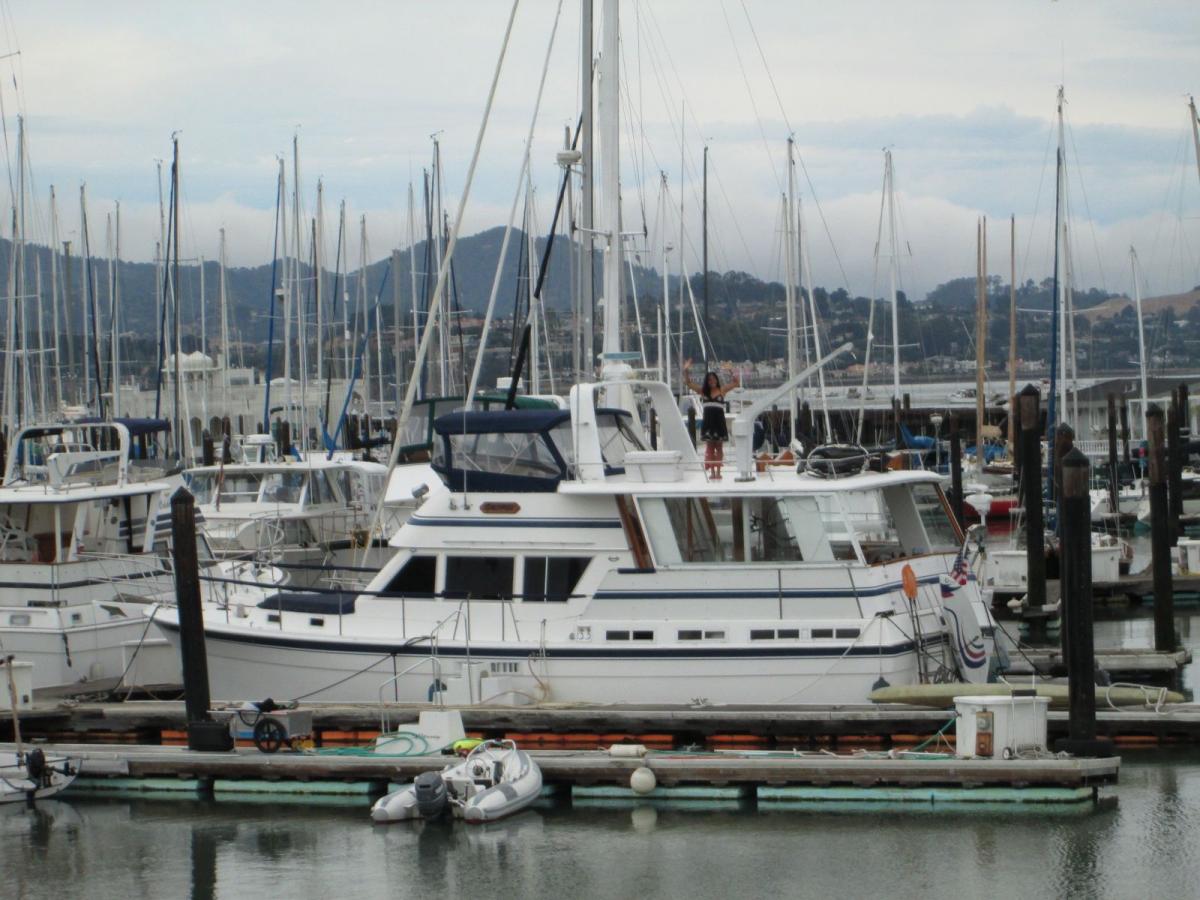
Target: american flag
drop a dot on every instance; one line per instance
(961, 569)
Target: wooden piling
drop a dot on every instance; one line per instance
(1114, 487)
(1160, 533)
(1064, 442)
(207, 455)
(1075, 566)
(203, 732)
(1031, 482)
(1174, 458)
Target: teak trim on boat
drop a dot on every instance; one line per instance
(634, 535)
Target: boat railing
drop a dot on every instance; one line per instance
(436, 667)
(437, 688)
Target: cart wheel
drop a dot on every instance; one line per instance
(269, 734)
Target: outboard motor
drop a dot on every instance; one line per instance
(35, 766)
(430, 789)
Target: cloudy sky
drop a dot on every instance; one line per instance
(962, 92)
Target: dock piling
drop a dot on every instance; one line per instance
(203, 732)
(1125, 432)
(1031, 456)
(1174, 456)
(1114, 488)
(1075, 566)
(1160, 533)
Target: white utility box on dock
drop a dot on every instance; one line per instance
(999, 727)
(21, 674)
(1189, 554)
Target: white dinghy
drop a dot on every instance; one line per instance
(495, 780)
(31, 775)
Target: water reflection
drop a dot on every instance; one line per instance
(1145, 845)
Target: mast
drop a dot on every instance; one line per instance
(297, 289)
(318, 274)
(58, 362)
(223, 299)
(203, 349)
(587, 268)
(1137, 301)
(980, 336)
(789, 292)
(1195, 130)
(664, 337)
(894, 252)
(704, 240)
(115, 287)
(42, 409)
(287, 285)
(412, 273)
(1012, 337)
(1057, 345)
(806, 276)
(608, 113)
(20, 293)
(180, 434)
(1061, 255)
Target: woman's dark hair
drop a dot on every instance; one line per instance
(705, 390)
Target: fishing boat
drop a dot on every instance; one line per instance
(28, 775)
(495, 780)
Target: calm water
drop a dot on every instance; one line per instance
(1141, 840)
(1142, 843)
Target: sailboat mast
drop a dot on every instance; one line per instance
(412, 273)
(287, 286)
(1012, 337)
(704, 238)
(115, 285)
(789, 292)
(180, 433)
(806, 277)
(980, 337)
(1195, 130)
(1137, 302)
(58, 362)
(587, 274)
(1061, 224)
(893, 253)
(319, 274)
(609, 116)
(224, 301)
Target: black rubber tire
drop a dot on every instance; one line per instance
(269, 734)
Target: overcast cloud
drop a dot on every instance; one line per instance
(963, 93)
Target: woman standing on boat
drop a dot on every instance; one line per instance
(712, 427)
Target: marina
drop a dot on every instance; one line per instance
(587, 552)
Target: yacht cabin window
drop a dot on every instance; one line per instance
(753, 529)
(900, 521)
(479, 577)
(552, 578)
(415, 579)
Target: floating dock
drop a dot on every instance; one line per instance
(593, 774)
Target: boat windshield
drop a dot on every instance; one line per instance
(900, 521)
(246, 487)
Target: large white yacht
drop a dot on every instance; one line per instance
(567, 561)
